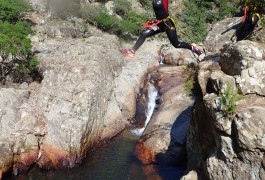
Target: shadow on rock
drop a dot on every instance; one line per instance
(242, 31)
(176, 154)
(213, 57)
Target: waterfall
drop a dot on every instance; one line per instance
(152, 95)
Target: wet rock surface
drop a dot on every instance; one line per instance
(164, 138)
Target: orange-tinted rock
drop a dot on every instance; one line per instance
(144, 154)
(53, 157)
(23, 161)
(147, 157)
(6, 160)
(164, 140)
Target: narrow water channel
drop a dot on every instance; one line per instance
(115, 160)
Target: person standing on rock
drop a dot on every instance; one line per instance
(162, 23)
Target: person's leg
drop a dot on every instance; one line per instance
(145, 34)
(173, 38)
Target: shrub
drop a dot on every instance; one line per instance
(197, 13)
(122, 7)
(106, 21)
(195, 28)
(257, 5)
(147, 4)
(133, 22)
(225, 9)
(15, 46)
(190, 84)
(22, 28)
(12, 10)
(228, 99)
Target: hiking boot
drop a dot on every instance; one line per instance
(196, 50)
(128, 52)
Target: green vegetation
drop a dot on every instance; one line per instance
(15, 47)
(190, 73)
(124, 24)
(147, 4)
(197, 13)
(12, 10)
(228, 99)
(122, 7)
(129, 23)
(194, 17)
(255, 5)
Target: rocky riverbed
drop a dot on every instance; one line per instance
(89, 90)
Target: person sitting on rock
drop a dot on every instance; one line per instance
(162, 23)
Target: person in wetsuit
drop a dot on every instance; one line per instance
(249, 22)
(163, 23)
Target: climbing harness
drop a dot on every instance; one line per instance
(253, 18)
(172, 20)
(151, 23)
(154, 22)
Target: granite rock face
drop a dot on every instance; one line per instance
(222, 145)
(87, 95)
(221, 34)
(246, 61)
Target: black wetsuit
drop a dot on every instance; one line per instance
(250, 24)
(161, 11)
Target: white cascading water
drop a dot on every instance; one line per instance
(152, 95)
(161, 58)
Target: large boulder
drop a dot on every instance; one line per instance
(221, 34)
(88, 89)
(225, 145)
(246, 59)
(258, 35)
(87, 94)
(178, 56)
